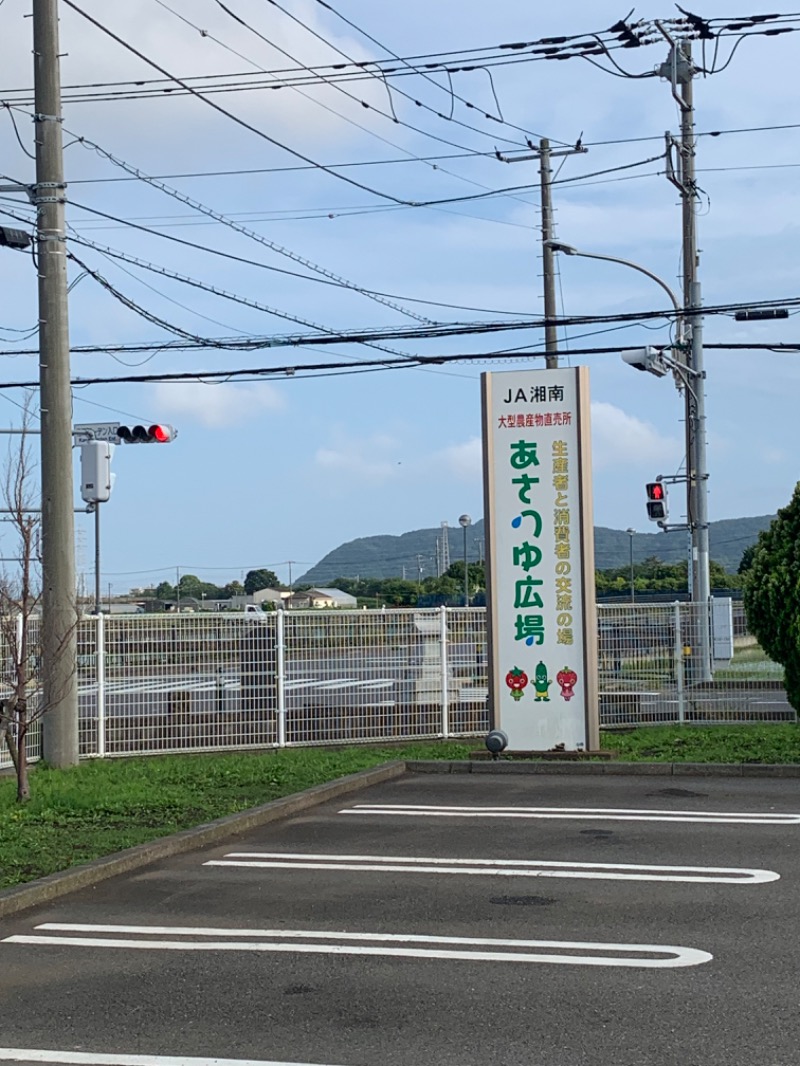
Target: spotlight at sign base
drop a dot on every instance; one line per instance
(496, 741)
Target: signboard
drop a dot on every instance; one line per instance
(540, 553)
(89, 431)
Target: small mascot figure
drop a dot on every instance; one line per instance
(541, 684)
(516, 680)
(567, 680)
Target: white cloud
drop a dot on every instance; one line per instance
(619, 438)
(216, 406)
(359, 460)
(463, 460)
(189, 43)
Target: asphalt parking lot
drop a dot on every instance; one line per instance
(455, 920)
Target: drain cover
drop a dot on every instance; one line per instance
(681, 792)
(522, 901)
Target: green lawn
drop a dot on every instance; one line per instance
(734, 744)
(103, 806)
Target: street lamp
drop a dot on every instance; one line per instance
(631, 533)
(569, 249)
(690, 370)
(14, 238)
(465, 522)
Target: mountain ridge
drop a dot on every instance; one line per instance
(415, 552)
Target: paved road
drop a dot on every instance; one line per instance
(452, 920)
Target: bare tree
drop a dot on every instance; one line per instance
(20, 594)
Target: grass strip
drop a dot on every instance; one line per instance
(103, 806)
(710, 744)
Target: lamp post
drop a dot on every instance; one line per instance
(465, 522)
(569, 249)
(690, 367)
(631, 533)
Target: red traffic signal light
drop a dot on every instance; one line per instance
(657, 510)
(156, 434)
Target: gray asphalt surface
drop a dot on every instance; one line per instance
(738, 1007)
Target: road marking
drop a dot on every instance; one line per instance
(710, 875)
(646, 956)
(584, 813)
(86, 1058)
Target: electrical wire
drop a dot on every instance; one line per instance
(333, 368)
(391, 117)
(379, 75)
(229, 114)
(415, 70)
(115, 253)
(333, 84)
(10, 114)
(259, 238)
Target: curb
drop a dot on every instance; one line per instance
(59, 884)
(617, 769)
(13, 900)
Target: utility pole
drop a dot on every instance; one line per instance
(544, 153)
(548, 256)
(680, 71)
(59, 609)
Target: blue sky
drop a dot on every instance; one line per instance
(287, 469)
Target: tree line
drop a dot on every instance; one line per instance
(652, 575)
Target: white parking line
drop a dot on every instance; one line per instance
(86, 1058)
(709, 875)
(583, 813)
(646, 956)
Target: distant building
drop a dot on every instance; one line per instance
(275, 596)
(321, 599)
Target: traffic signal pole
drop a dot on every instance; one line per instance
(59, 607)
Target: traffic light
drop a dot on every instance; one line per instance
(97, 481)
(158, 434)
(649, 359)
(657, 510)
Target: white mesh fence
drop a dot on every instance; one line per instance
(652, 671)
(211, 682)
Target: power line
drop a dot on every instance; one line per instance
(453, 95)
(375, 74)
(229, 114)
(391, 117)
(273, 246)
(333, 84)
(546, 48)
(337, 368)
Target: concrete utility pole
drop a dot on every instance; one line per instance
(544, 154)
(59, 611)
(680, 71)
(548, 256)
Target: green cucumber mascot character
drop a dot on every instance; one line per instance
(541, 683)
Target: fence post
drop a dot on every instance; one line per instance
(444, 661)
(280, 659)
(679, 665)
(100, 670)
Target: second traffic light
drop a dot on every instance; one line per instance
(157, 434)
(657, 509)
